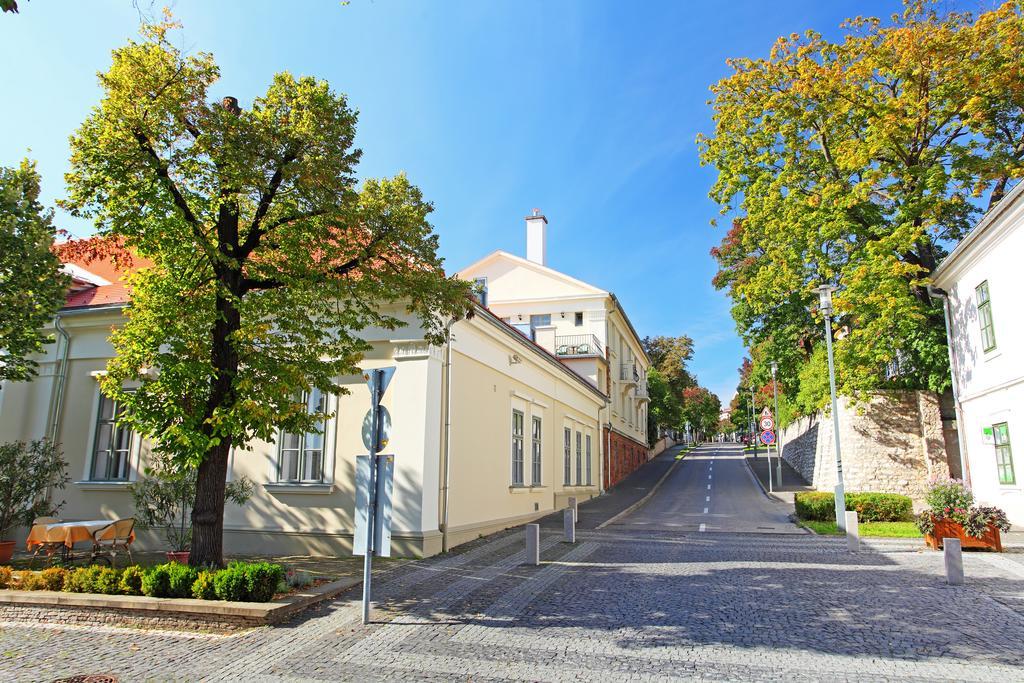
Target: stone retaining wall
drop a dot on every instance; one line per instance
(891, 443)
(56, 607)
(99, 616)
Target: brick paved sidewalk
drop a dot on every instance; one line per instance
(627, 492)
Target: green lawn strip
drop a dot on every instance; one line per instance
(875, 529)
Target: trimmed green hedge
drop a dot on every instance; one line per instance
(819, 506)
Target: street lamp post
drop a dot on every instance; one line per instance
(825, 298)
(753, 422)
(778, 427)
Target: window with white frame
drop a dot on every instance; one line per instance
(1004, 456)
(112, 444)
(579, 458)
(578, 320)
(590, 479)
(988, 329)
(517, 448)
(536, 445)
(568, 457)
(301, 456)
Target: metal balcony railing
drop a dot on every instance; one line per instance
(628, 373)
(578, 345)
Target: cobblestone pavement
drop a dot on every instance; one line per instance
(624, 603)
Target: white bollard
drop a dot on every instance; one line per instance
(852, 531)
(570, 526)
(533, 544)
(574, 506)
(954, 561)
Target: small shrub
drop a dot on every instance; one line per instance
(31, 581)
(203, 588)
(231, 583)
(180, 578)
(106, 581)
(53, 578)
(131, 581)
(80, 580)
(6, 577)
(262, 580)
(816, 506)
(880, 507)
(156, 583)
(819, 506)
(170, 580)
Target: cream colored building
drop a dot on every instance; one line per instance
(584, 326)
(517, 434)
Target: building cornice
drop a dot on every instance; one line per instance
(985, 236)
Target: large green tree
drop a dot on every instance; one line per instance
(855, 163)
(268, 258)
(670, 356)
(32, 286)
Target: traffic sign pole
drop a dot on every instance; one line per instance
(378, 381)
(371, 508)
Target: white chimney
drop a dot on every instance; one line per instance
(536, 238)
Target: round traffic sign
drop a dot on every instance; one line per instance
(385, 428)
(767, 424)
(767, 437)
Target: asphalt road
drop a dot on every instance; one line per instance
(712, 490)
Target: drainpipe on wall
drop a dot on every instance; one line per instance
(446, 450)
(600, 461)
(57, 395)
(965, 470)
(57, 390)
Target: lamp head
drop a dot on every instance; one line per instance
(825, 298)
(775, 368)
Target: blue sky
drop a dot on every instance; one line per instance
(587, 110)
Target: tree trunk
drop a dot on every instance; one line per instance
(208, 508)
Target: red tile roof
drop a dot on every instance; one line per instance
(101, 263)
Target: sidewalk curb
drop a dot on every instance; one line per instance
(753, 475)
(647, 497)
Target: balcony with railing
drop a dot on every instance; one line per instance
(628, 373)
(578, 346)
(641, 392)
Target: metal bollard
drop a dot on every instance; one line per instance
(852, 531)
(533, 544)
(574, 506)
(569, 525)
(954, 561)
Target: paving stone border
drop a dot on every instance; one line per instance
(55, 607)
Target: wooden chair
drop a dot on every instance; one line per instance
(108, 541)
(47, 548)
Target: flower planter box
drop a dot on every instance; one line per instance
(945, 528)
(178, 614)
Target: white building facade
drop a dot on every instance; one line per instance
(983, 291)
(585, 327)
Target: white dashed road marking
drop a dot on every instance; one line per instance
(703, 526)
(705, 511)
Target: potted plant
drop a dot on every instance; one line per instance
(952, 514)
(163, 500)
(29, 473)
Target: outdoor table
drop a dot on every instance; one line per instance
(66, 533)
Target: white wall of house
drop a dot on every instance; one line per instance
(315, 515)
(989, 366)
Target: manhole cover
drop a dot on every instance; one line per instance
(88, 678)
